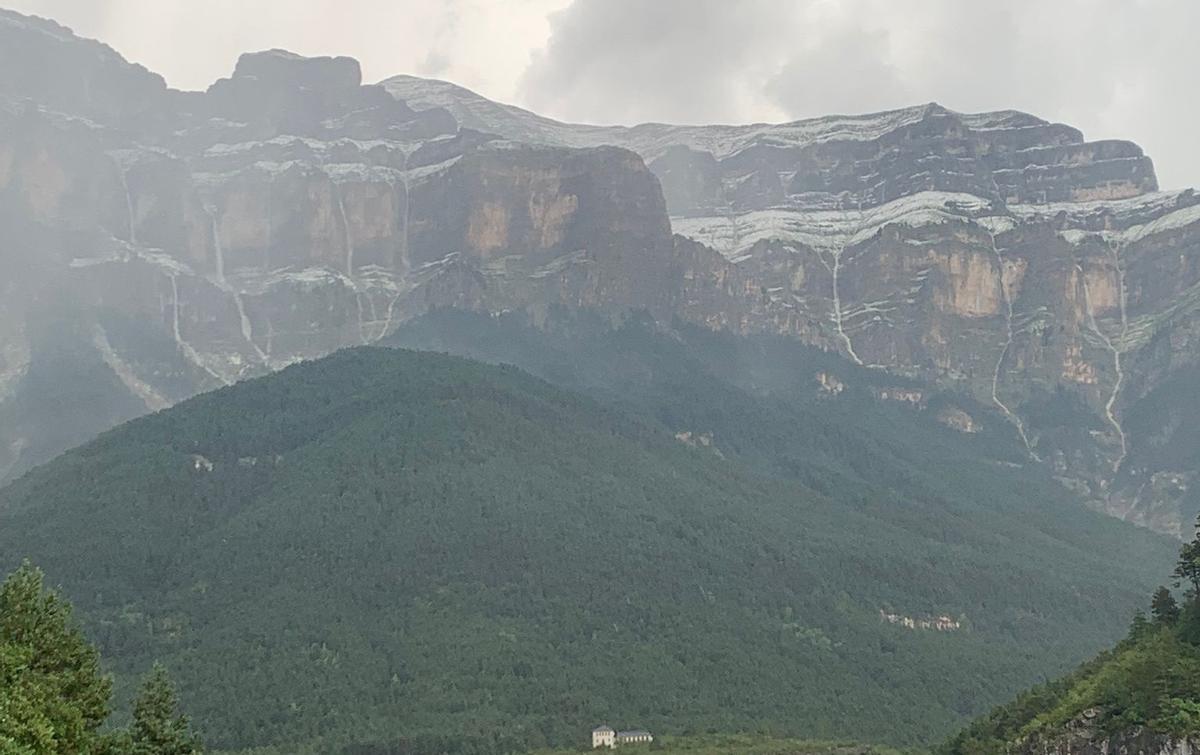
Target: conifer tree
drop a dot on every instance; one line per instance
(1187, 568)
(1139, 625)
(1163, 607)
(158, 728)
(53, 697)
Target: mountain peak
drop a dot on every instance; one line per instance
(286, 68)
(289, 211)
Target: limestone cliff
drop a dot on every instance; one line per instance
(168, 242)
(992, 253)
(286, 212)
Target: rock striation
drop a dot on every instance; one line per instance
(284, 213)
(159, 243)
(1083, 737)
(835, 162)
(995, 254)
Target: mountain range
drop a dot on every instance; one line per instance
(160, 243)
(393, 419)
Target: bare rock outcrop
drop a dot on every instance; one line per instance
(184, 240)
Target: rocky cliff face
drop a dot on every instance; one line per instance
(838, 162)
(995, 254)
(166, 242)
(1082, 737)
(174, 242)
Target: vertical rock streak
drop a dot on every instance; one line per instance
(404, 255)
(219, 263)
(348, 242)
(188, 351)
(1008, 328)
(837, 305)
(1114, 348)
(151, 398)
(839, 316)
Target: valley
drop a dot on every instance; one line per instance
(388, 536)
(384, 418)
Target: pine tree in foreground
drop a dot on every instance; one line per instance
(1163, 607)
(158, 727)
(53, 697)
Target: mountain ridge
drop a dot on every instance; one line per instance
(1026, 132)
(290, 210)
(422, 91)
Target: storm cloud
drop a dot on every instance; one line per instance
(1114, 68)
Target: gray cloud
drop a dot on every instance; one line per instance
(837, 72)
(623, 61)
(1114, 68)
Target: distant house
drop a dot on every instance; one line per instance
(606, 736)
(634, 737)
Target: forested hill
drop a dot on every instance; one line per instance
(387, 546)
(1141, 696)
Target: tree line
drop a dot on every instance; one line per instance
(54, 697)
(1149, 682)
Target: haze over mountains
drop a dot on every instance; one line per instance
(769, 429)
(164, 243)
(427, 554)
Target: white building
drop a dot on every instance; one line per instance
(604, 736)
(635, 737)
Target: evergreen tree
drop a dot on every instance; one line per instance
(1138, 626)
(53, 697)
(158, 728)
(1163, 607)
(1187, 569)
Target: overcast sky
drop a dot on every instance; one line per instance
(1114, 68)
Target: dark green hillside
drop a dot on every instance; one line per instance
(759, 400)
(432, 554)
(1143, 695)
(757, 396)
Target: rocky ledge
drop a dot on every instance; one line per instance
(167, 242)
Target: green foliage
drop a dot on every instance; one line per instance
(405, 552)
(1163, 607)
(1187, 569)
(53, 697)
(1189, 623)
(1140, 625)
(1178, 716)
(25, 724)
(1150, 681)
(158, 728)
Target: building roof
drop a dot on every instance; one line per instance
(633, 733)
(599, 729)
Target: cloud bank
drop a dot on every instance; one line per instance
(1114, 68)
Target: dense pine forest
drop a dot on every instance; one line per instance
(1145, 690)
(402, 551)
